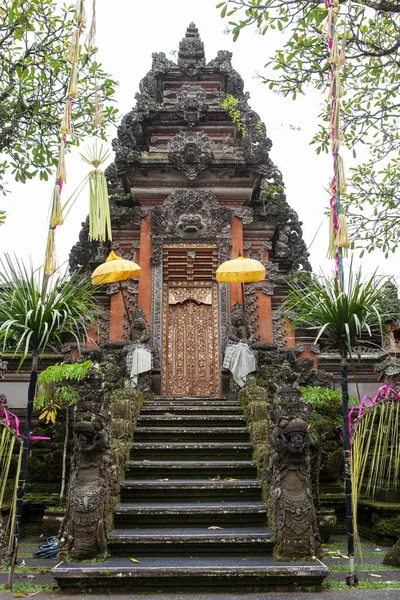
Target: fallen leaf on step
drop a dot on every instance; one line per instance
(214, 527)
(378, 549)
(388, 582)
(217, 478)
(375, 575)
(31, 577)
(230, 479)
(166, 479)
(342, 555)
(134, 560)
(169, 415)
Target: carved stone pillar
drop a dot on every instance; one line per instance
(290, 502)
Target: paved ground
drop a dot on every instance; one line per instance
(370, 572)
(326, 594)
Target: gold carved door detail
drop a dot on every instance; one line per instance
(190, 329)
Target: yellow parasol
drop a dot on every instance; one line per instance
(116, 269)
(240, 270)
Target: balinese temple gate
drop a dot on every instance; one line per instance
(193, 185)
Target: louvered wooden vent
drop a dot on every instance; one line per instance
(190, 264)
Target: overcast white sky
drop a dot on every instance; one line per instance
(128, 32)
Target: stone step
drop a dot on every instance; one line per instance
(191, 450)
(181, 409)
(180, 469)
(190, 514)
(190, 490)
(191, 399)
(187, 404)
(181, 434)
(190, 573)
(191, 420)
(182, 541)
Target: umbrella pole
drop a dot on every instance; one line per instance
(126, 307)
(243, 300)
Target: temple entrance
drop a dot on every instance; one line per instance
(190, 321)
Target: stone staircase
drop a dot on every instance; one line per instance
(191, 514)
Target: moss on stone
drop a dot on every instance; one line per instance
(392, 558)
(250, 394)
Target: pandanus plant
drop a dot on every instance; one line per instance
(340, 317)
(36, 313)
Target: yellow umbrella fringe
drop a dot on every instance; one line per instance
(62, 169)
(56, 210)
(73, 82)
(74, 49)
(92, 31)
(66, 123)
(331, 253)
(50, 264)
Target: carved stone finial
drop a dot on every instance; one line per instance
(191, 56)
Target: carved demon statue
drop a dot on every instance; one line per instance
(290, 496)
(84, 527)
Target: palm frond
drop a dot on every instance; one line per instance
(36, 312)
(338, 317)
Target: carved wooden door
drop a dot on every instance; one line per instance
(190, 323)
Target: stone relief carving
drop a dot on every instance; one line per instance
(278, 328)
(191, 152)
(245, 213)
(290, 496)
(84, 255)
(189, 215)
(192, 103)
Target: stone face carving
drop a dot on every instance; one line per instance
(189, 215)
(290, 496)
(192, 103)
(84, 525)
(191, 152)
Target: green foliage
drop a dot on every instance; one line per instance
(35, 36)
(338, 317)
(327, 411)
(232, 107)
(371, 85)
(55, 391)
(37, 311)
